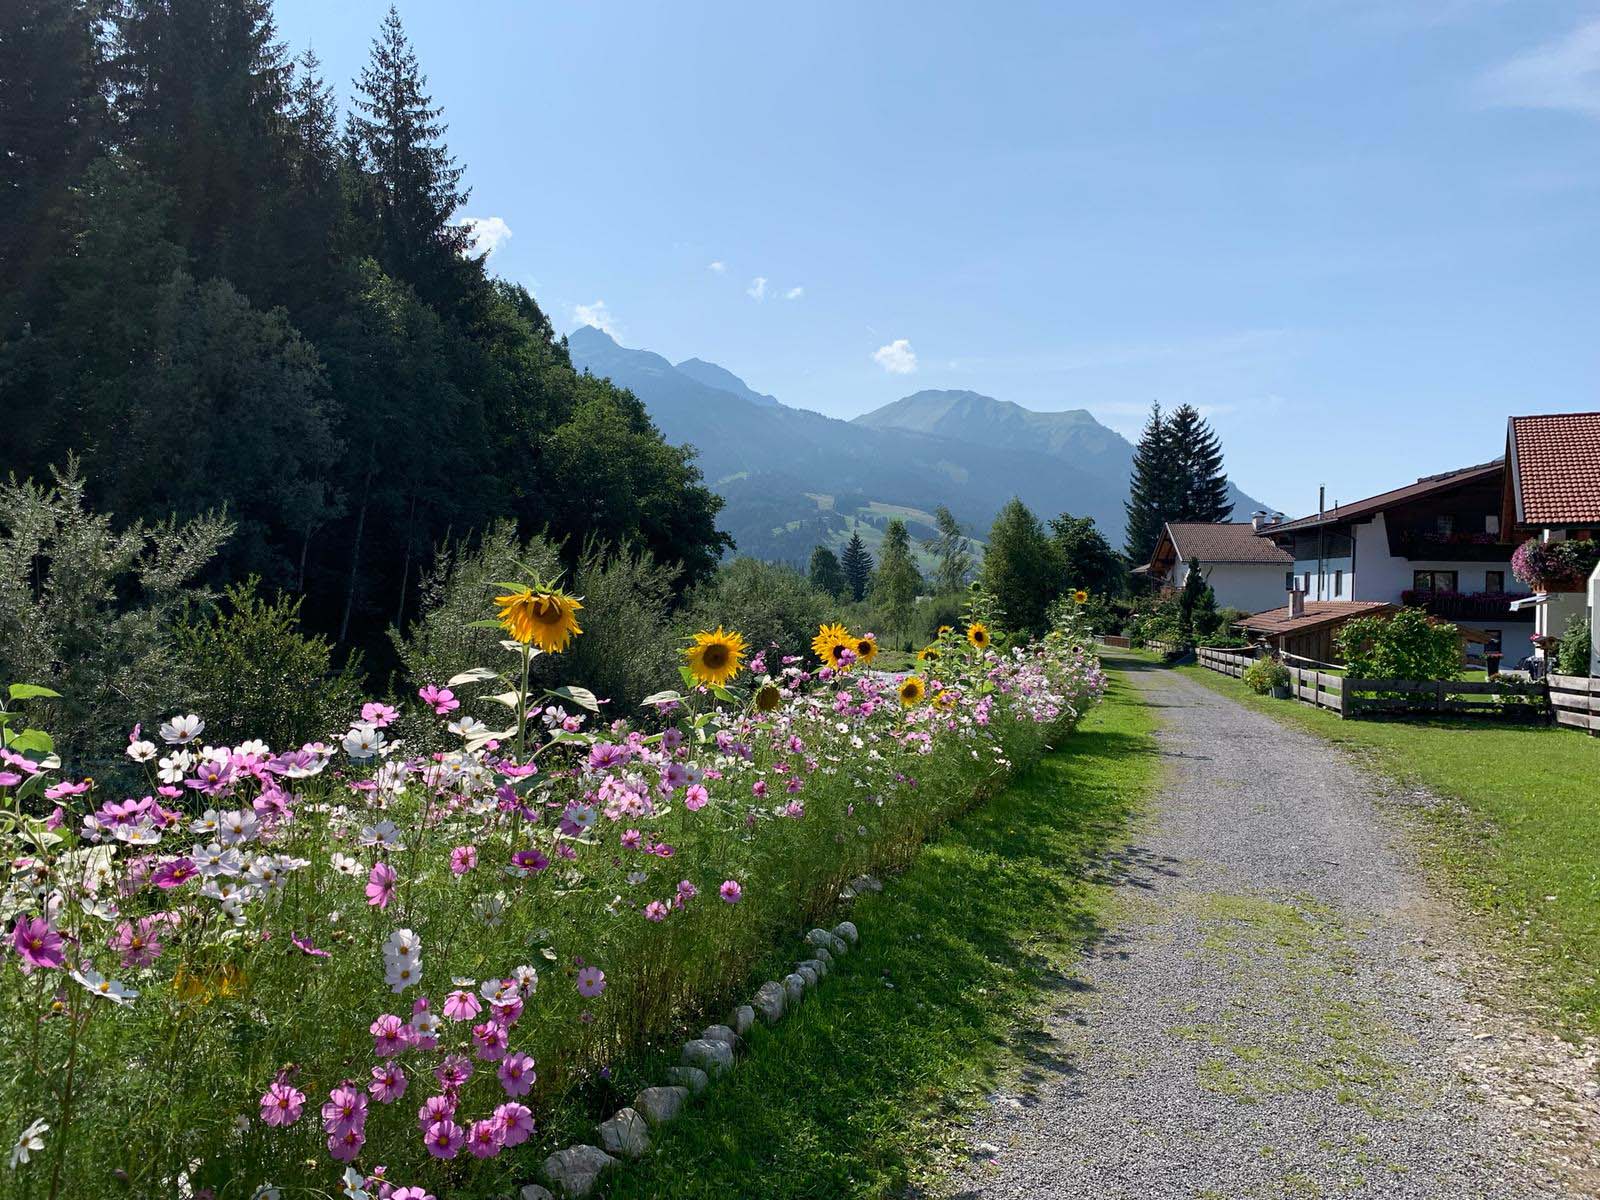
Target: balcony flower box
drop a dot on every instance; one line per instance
(1555, 566)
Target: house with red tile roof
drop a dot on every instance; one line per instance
(1244, 571)
(1551, 493)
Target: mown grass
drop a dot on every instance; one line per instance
(1522, 843)
(855, 1095)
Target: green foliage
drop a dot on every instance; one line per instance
(1152, 490)
(628, 649)
(1020, 568)
(952, 550)
(1407, 645)
(252, 673)
(857, 566)
(90, 610)
(1197, 604)
(1087, 559)
(768, 603)
(825, 573)
(1177, 476)
(897, 581)
(1265, 674)
(1573, 658)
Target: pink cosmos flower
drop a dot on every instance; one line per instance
(516, 1123)
(380, 885)
(305, 947)
(529, 861)
(390, 1036)
(687, 890)
(442, 700)
(758, 789)
(63, 789)
(490, 1041)
(731, 891)
(410, 1193)
(9, 779)
(445, 1139)
(485, 1139)
(435, 1108)
(696, 797)
(631, 839)
(345, 1144)
(463, 859)
(282, 1103)
(38, 943)
(454, 1071)
(388, 1083)
(379, 715)
(591, 982)
(139, 944)
(175, 873)
(344, 1109)
(461, 1005)
(655, 911)
(516, 1074)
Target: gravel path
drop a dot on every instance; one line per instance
(1279, 1011)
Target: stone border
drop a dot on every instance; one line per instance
(574, 1170)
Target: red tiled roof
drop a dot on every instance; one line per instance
(1357, 509)
(1226, 542)
(1318, 613)
(1556, 468)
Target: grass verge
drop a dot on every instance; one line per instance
(856, 1094)
(1521, 843)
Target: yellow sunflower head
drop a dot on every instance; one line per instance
(911, 691)
(866, 648)
(768, 697)
(716, 657)
(830, 640)
(928, 654)
(945, 700)
(978, 635)
(943, 629)
(1080, 597)
(547, 618)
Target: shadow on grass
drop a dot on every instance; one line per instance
(856, 1094)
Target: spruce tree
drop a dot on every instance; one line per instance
(857, 566)
(825, 573)
(1154, 488)
(1202, 488)
(897, 581)
(1020, 568)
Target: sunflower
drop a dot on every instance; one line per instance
(943, 629)
(978, 635)
(716, 657)
(548, 618)
(928, 654)
(945, 700)
(912, 690)
(768, 697)
(866, 648)
(1080, 597)
(830, 640)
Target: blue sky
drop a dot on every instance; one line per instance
(1357, 233)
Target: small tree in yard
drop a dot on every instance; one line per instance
(1573, 657)
(857, 566)
(1407, 645)
(825, 572)
(1197, 606)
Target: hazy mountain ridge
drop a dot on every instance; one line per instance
(772, 462)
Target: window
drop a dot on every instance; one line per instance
(1306, 586)
(1288, 581)
(1433, 581)
(1444, 525)
(1491, 523)
(1494, 581)
(1338, 583)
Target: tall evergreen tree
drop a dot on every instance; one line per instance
(953, 551)
(897, 581)
(825, 572)
(1086, 558)
(1153, 490)
(1202, 491)
(857, 566)
(1020, 568)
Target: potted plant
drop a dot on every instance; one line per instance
(1267, 675)
(1555, 566)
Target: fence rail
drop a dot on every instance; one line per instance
(1113, 640)
(1228, 662)
(1575, 701)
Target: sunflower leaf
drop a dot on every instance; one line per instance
(582, 697)
(476, 675)
(33, 691)
(667, 697)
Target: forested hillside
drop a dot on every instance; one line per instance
(221, 287)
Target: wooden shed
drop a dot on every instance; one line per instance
(1306, 628)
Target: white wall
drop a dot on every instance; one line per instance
(1253, 587)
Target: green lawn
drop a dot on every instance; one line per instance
(856, 1094)
(1522, 846)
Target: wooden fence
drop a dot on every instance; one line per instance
(1575, 701)
(1113, 640)
(1319, 688)
(1228, 662)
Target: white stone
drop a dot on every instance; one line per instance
(532, 1191)
(794, 990)
(625, 1134)
(711, 1057)
(847, 931)
(575, 1169)
(658, 1105)
(769, 1002)
(743, 1019)
(692, 1078)
(719, 1033)
(817, 965)
(824, 955)
(807, 973)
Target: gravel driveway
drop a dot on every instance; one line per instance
(1278, 1012)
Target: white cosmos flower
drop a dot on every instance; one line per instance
(240, 825)
(467, 727)
(363, 741)
(208, 822)
(355, 1185)
(30, 1142)
(216, 754)
(173, 767)
(182, 730)
(346, 865)
(384, 833)
(108, 989)
(144, 833)
(427, 1023)
(212, 860)
(401, 974)
(266, 1192)
(255, 746)
(141, 751)
(402, 945)
(527, 979)
(263, 872)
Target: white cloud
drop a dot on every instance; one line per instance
(717, 265)
(1563, 74)
(488, 233)
(757, 290)
(897, 357)
(596, 314)
(794, 293)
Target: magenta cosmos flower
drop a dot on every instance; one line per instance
(410, 1193)
(516, 1074)
(655, 911)
(435, 1108)
(282, 1104)
(696, 797)
(485, 1139)
(344, 1109)
(380, 885)
(390, 1036)
(37, 943)
(445, 1139)
(463, 859)
(138, 943)
(461, 1005)
(591, 982)
(490, 1041)
(516, 1123)
(442, 700)
(731, 891)
(346, 1144)
(388, 1083)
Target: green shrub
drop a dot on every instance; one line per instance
(1407, 645)
(1573, 657)
(1265, 674)
(629, 649)
(766, 602)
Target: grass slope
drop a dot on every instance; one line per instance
(1522, 845)
(854, 1095)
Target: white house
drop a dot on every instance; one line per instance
(1552, 493)
(1245, 572)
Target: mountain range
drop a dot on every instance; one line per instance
(793, 479)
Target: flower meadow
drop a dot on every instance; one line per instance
(371, 966)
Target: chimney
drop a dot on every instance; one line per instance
(1258, 520)
(1297, 602)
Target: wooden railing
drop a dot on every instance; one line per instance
(1228, 662)
(1113, 640)
(1319, 688)
(1575, 701)
(1447, 696)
